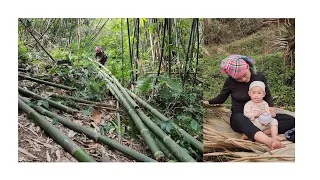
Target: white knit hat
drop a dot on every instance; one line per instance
(258, 84)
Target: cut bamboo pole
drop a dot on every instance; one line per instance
(52, 103)
(193, 141)
(164, 149)
(181, 154)
(55, 134)
(80, 100)
(178, 152)
(46, 82)
(124, 92)
(157, 153)
(119, 124)
(92, 134)
(102, 107)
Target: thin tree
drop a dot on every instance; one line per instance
(195, 74)
(137, 51)
(122, 65)
(170, 44)
(130, 53)
(162, 48)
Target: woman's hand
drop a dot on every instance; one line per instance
(273, 111)
(205, 103)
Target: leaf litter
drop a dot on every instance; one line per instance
(35, 146)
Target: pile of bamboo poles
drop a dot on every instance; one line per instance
(146, 126)
(161, 145)
(36, 113)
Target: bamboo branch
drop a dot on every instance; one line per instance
(52, 103)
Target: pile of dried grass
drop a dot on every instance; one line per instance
(219, 135)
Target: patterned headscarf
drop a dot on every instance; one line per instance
(98, 49)
(236, 65)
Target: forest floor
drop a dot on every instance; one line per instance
(34, 145)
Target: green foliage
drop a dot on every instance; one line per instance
(268, 59)
(182, 105)
(22, 52)
(88, 111)
(60, 53)
(43, 103)
(167, 95)
(281, 79)
(227, 30)
(251, 45)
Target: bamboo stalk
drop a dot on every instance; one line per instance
(170, 44)
(164, 149)
(55, 134)
(119, 124)
(137, 45)
(198, 40)
(124, 92)
(80, 100)
(102, 107)
(178, 152)
(173, 146)
(21, 69)
(130, 53)
(122, 60)
(162, 49)
(186, 69)
(157, 153)
(46, 82)
(193, 141)
(92, 134)
(52, 103)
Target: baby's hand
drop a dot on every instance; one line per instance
(261, 112)
(257, 114)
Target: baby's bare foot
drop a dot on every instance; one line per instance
(244, 137)
(275, 144)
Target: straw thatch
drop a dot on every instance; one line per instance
(218, 135)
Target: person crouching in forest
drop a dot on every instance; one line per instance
(242, 73)
(103, 57)
(257, 110)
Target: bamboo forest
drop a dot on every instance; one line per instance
(144, 89)
(144, 103)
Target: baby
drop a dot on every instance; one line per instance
(257, 110)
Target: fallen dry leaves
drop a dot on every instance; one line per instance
(96, 116)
